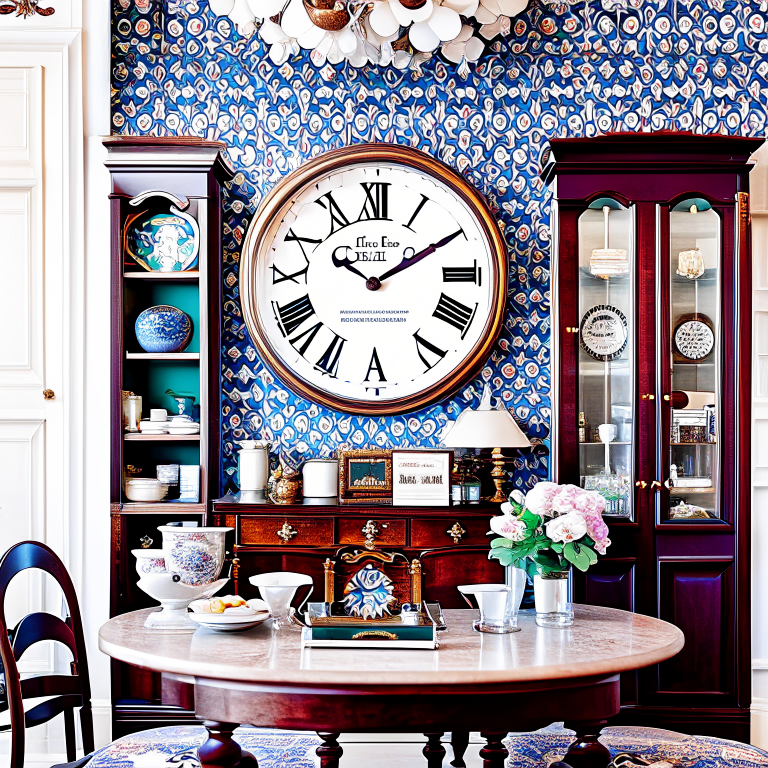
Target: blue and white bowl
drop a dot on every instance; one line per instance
(163, 329)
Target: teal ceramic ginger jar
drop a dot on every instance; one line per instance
(163, 329)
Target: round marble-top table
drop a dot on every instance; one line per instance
(475, 682)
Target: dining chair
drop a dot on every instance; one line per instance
(67, 692)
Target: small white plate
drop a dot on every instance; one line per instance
(183, 431)
(220, 622)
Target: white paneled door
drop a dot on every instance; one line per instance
(34, 253)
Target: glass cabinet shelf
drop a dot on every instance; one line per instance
(694, 362)
(606, 354)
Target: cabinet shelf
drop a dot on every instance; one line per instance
(676, 491)
(133, 437)
(164, 507)
(615, 442)
(708, 445)
(162, 355)
(191, 275)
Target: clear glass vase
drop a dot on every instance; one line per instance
(553, 608)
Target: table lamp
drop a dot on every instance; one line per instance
(487, 428)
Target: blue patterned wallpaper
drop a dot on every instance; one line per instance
(575, 68)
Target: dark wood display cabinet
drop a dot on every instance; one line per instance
(651, 278)
(175, 183)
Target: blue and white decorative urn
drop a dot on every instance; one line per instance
(163, 329)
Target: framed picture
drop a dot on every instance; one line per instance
(421, 478)
(365, 476)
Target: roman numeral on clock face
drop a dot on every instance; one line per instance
(376, 203)
(338, 219)
(375, 365)
(329, 362)
(424, 347)
(424, 201)
(473, 274)
(454, 313)
(291, 315)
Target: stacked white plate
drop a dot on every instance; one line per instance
(252, 614)
(182, 425)
(148, 427)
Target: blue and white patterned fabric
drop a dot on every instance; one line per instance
(176, 747)
(539, 749)
(567, 68)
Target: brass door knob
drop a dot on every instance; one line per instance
(287, 532)
(456, 532)
(48, 394)
(146, 542)
(655, 485)
(641, 484)
(647, 397)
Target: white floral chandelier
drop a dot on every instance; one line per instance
(403, 33)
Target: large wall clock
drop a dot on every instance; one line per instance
(373, 279)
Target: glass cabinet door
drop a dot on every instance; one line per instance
(606, 357)
(694, 363)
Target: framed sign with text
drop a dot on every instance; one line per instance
(421, 478)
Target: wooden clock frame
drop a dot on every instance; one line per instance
(270, 215)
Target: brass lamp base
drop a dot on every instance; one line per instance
(498, 474)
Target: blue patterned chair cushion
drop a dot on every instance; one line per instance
(176, 747)
(539, 749)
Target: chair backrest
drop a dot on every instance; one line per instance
(67, 691)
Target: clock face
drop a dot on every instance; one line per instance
(603, 333)
(371, 284)
(694, 339)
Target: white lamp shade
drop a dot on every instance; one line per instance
(485, 429)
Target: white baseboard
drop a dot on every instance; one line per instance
(759, 723)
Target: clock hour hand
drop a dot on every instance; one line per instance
(345, 262)
(409, 261)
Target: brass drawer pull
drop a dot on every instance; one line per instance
(456, 532)
(371, 530)
(287, 532)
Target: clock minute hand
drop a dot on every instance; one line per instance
(407, 262)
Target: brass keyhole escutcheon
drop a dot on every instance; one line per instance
(49, 394)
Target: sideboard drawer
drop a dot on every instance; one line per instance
(439, 533)
(299, 531)
(391, 532)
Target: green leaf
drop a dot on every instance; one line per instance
(502, 542)
(579, 555)
(557, 546)
(532, 522)
(504, 556)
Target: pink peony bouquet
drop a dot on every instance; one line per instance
(550, 528)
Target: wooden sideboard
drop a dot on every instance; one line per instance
(299, 537)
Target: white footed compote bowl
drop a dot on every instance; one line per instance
(193, 559)
(174, 596)
(278, 589)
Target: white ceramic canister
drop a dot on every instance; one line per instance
(253, 465)
(320, 478)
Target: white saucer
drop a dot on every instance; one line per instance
(220, 622)
(183, 431)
